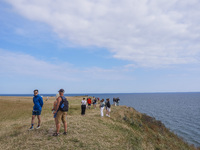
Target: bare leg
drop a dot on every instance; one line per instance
(39, 119)
(32, 120)
(65, 126)
(57, 127)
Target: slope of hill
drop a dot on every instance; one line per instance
(125, 129)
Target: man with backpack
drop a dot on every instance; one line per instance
(61, 109)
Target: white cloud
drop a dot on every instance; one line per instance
(22, 64)
(148, 33)
(18, 64)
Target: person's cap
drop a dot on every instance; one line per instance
(61, 90)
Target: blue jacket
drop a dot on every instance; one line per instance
(38, 102)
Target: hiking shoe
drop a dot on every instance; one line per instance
(38, 127)
(31, 128)
(56, 134)
(65, 133)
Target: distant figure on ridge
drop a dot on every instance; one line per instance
(117, 101)
(94, 101)
(108, 109)
(114, 101)
(83, 106)
(47, 98)
(89, 101)
(37, 109)
(61, 110)
(98, 100)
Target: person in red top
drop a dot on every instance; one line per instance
(89, 101)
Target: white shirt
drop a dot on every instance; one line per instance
(83, 102)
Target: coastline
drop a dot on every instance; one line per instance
(135, 130)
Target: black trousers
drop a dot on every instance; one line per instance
(83, 108)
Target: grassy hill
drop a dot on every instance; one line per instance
(127, 129)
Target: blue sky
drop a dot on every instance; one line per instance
(99, 46)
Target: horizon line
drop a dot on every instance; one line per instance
(106, 93)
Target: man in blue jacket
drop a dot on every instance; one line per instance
(37, 109)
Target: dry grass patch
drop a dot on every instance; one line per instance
(126, 129)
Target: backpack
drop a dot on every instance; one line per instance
(64, 104)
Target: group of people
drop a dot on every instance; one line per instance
(107, 105)
(61, 105)
(93, 101)
(116, 101)
(87, 104)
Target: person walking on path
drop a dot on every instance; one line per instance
(108, 106)
(37, 109)
(61, 109)
(102, 104)
(83, 106)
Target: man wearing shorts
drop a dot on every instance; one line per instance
(37, 109)
(61, 115)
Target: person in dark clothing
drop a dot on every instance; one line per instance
(83, 106)
(108, 106)
(114, 101)
(94, 102)
(117, 101)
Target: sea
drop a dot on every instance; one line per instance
(180, 112)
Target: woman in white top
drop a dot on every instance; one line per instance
(83, 106)
(102, 104)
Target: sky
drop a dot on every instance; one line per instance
(107, 46)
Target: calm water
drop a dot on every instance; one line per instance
(178, 111)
